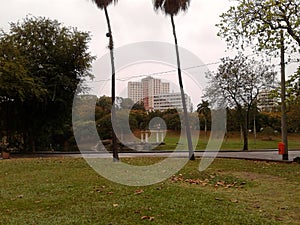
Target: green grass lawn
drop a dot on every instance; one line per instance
(233, 141)
(68, 191)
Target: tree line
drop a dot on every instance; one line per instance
(139, 118)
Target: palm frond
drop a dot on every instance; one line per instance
(104, 3)
(171, 7)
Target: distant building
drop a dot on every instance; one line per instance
(156, 95)
(145, 90)
(171, 100)
(266, 102)
(135, 91)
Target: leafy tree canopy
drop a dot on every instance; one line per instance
(237, 84)
(42, 63)
(259, 22)
(238, 80)
(293, 86)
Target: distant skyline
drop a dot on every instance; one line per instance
(134, 21)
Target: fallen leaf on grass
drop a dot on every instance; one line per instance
(234, 200)
(18, 196)
(197, 181)
(279, 219)
(220, 183)
(138, 192)
(176, 179)
(231, 185)
(150, 218)
(99, 189)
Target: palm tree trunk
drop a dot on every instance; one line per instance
(185, 113)
(254, 128)
(205, 126)
(113, 88)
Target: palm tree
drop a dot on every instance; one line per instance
(103, 4)
(172, 8)
(203, 108)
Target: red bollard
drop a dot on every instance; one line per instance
(281, 148)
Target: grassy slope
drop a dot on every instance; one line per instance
(68, 191)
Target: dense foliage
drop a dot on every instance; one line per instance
(41, 65)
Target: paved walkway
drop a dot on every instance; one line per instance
(269, 155)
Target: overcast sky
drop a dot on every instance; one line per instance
(133, 21)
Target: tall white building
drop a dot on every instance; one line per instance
(266, 102)
(155, 95)
(145, 90)
(135, 91)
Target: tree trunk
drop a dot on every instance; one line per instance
(244, 120)
(284, 134)
(185, 113)
(113, 86)
(245, 135)
(31, 140)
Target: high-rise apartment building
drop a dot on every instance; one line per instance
(135, 91)
(156, 95)
(266, 102)
(145, 90)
